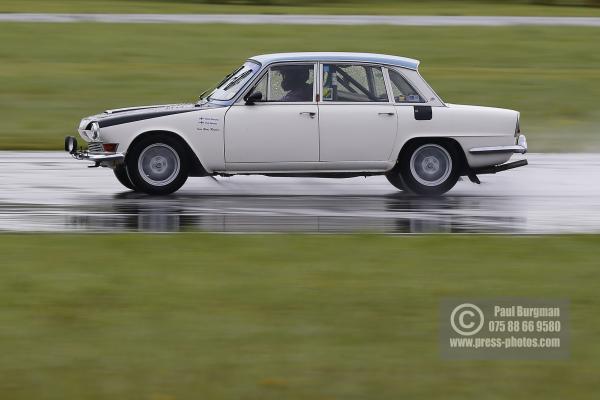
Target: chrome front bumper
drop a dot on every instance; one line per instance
(520, 147)
(99, 158)
(94, 154)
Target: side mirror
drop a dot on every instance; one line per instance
(253, 98)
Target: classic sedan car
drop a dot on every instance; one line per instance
(307, 114)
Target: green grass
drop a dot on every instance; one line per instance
(383, 7)
(197, 316)
(54, 74)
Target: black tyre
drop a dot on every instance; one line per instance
(395, 179)
(427, 168)
(158, 164)
(121, 174)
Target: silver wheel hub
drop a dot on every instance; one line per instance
(159, 164)
(431, 165)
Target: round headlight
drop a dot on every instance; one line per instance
(95, 131)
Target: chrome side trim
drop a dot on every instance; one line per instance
(520, 147)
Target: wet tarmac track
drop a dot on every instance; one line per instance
(48, 191)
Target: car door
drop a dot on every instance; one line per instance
(282, 124)
(357, 120)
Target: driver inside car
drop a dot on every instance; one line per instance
(294, 82)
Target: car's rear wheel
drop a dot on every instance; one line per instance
(157, 164)
(395, 179)
(429, 169)
(121, 174)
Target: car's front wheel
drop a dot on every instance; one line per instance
(429, 169)
(121, 175)
(157, 164)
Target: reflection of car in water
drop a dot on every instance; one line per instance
(398, 213)
(307, 114)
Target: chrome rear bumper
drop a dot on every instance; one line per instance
(520, 147)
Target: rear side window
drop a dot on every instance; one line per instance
(402, 90)
(353, 83)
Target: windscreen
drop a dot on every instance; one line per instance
(233, 82)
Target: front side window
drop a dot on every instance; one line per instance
(261, 87)
(402, 90)
(353, 83)
(287, 83)
(233, 82)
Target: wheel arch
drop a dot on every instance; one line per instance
(441, 140)
(196, 167)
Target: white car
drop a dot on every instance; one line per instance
(332, 115)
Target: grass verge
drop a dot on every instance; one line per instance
(272, 317)
(54, 74)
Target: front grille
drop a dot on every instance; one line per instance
(95, 147)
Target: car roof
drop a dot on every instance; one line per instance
(338, 56)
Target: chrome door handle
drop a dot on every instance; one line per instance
(309, 113)
(386, 113)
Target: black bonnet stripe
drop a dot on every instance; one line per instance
(124, 119)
